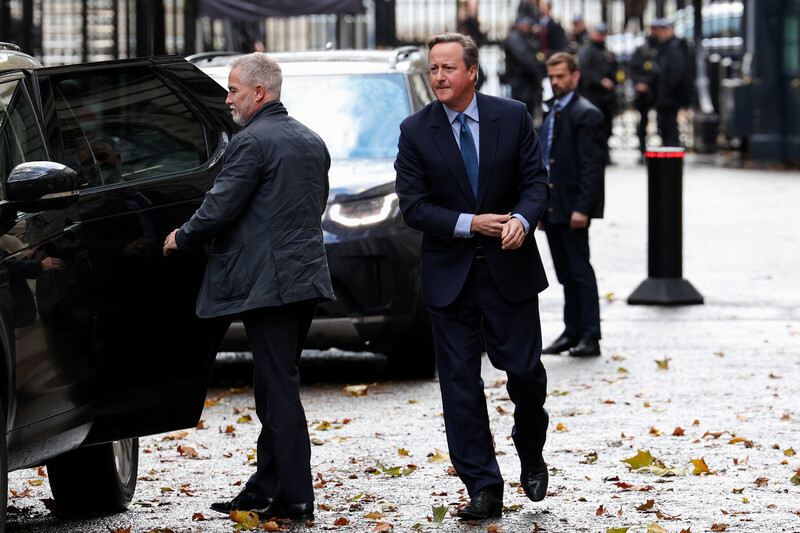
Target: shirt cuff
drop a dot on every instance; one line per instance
(525, 223)
(463, 226)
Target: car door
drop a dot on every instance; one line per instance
(116, 322)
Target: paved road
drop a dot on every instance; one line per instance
(717, 382)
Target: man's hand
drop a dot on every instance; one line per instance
(489, 225)
(578, 220)
(513, 234)
(170, 243)
(52, 263)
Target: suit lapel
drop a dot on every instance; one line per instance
(446, 142)
(490, 134)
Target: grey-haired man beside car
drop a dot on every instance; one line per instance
(267, 265)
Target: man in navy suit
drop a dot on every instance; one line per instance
(470, 177)
(573, 140)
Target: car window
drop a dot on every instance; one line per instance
(20, 140)
(358, 116)
(125, 125)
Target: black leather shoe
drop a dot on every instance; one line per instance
(561, 344)
(245, 501)
(586, 347)
(297, 512)
(484, 505)
(534, 481)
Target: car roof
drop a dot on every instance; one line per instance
(324, 62)
(11, 58)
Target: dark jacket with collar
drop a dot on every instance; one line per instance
(264, 214)
(577, 170)
(434, 189)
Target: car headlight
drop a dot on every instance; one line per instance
(364, 212)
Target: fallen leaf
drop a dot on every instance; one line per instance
(700, 467)
(439, 457)
(655, 528)
(188, 451)
(617, 530)
(719, 527)
(679, 432)
(113, 530)
(341, 521)
(201, 425)
(790, 451)
(762, 481)
(176, 435)
(403, 452)
(199, 517)
(493, 529)
(374, 515)
(561, 427)
(383, 526)
(272, 526)
(663, 364)
(439, 512)
(647, 506)
(656, 432)
(591, 458)
(796, 478)
(356, 390)
(243, 419)
(35, 482)
(324, 426)
(246, 519)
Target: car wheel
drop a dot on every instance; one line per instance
(96, 479)
(413, 355)
(3, 470)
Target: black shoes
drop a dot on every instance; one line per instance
(484, 505)
(245, 501)
(534, 481)
(586, 348)
(561, 344)
(297, 512)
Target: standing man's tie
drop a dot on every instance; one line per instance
(549, 126)
(468, 153)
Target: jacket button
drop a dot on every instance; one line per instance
(551, 185)
(550, 209)
(552, 161)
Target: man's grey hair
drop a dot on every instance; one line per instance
(259, 69)
(467, 43)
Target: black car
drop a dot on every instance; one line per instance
(100, 343)
(355, 100)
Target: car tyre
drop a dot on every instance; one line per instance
(95, 480)
(413, 354)
(3, 470)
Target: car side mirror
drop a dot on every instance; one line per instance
(42, 185)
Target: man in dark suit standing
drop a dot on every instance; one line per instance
(268, 265)
(573, 144)
(470, 177)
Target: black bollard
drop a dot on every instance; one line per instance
(665, 284)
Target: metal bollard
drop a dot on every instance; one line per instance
(665, 284)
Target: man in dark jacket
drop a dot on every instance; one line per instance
(573, 140)
(644, 75)
(268, 265)
(598, 80)
(674, 84)
(524, 66)
(552, 36)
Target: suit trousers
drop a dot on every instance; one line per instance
(570, 251)
(512, 337)
(276, 336)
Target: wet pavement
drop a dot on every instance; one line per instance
(710, 391)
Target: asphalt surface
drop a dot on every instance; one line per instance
(717, 382)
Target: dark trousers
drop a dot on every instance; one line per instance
(276, 336)
(512, 336)
(570, 251)
(641, 128)
(668, 126)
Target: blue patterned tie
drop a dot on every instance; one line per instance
(549, 126)
(468, 153)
